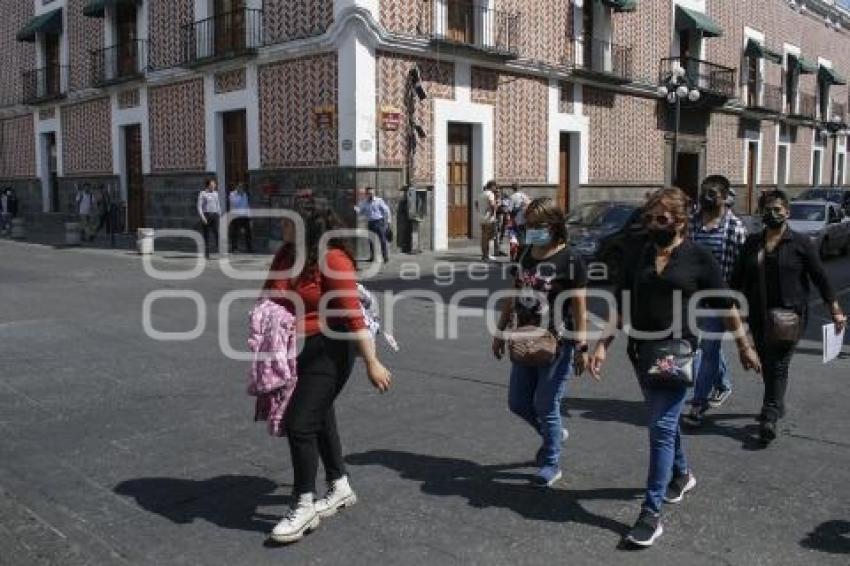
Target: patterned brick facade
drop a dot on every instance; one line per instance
(167, 18)
(86, 137)
(229, 81)
(288, 92)
(84, 35)
(285, 20)
(565, 100)
(177, 127)
(15, 56)
(393, 70)
(544, 30)
(129, 98)
(403, 16)
(725, 153)
(17, 148)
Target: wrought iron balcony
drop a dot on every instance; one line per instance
(601, 58)
(838, 115)
(469, 26)
(770, 100)
(226, 35)
(806, 107)
(714, 80)
(122, 62)
(47, 83)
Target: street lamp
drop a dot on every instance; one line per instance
(674, 90)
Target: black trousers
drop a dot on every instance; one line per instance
(775, 363)
(324, 366)
(210, 229)
(379, 227)
(237, 225)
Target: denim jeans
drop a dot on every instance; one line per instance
(712, 371)
(666, 455)
(535, 396)
(379, 228)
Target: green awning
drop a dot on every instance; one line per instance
(805, 67)
(50, 22)
(96, 8)
(621, 5)
(697, 20)
(829, 76)
(755, 49)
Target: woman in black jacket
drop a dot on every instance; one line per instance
(789, 263)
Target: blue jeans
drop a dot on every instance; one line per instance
(535, 396)
(711, 371)
(379, 227)
(666, 455)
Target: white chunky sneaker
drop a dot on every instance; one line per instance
(339, 495)
(301, 519)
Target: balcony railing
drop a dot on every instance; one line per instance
(600, 57)
(708, 77)
(770, 100)
(806, 106)
(838, 114)
(47, 83)
(122, 62)
(230, 34)
(472, 26)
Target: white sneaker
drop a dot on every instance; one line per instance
(300, 520)
(339, 495)
(565, 435)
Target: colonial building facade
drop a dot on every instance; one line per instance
(151, 97)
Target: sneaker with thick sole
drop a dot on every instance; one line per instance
(300, 520)
(679, 486)
(339, 496)
(547, 476)
(647, 529)
(718, 397)
(767, 431)
(695, 417)
(538, 458)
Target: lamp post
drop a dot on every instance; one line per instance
(674, 89)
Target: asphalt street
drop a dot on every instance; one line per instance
(116, 448)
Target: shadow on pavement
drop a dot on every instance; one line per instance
(832, 537)
(229, 502)
(494, 486)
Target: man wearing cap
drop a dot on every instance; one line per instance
(715, 227)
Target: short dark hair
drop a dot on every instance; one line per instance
(779, 195)
(490, 186)
(717, 181)
(545, 210)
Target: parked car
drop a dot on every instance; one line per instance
(824, 222)
(601, 231)
(836, 195)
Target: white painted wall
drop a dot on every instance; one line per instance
(371, 6)
(357, 100)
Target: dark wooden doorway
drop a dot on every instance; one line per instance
(687, 174)
(461, 21)
(125, 39)
(52, 69)
(752, 163)
(135, 180)
(52, 175)
(234, 128)
(229, 26)
(564, 173)
(460, 180)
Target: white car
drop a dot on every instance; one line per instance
(824, 223)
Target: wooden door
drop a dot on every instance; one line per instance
(752, 81)
(52, 176)
(229, 26)
(564, 173)
(752, 163)
(460, 180)
(235, 149)
(687, 174)
(461, 21)
(126, 47)
(52, 77)
(135, 181)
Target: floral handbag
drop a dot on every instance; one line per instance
(666, 363)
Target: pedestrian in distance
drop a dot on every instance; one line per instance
(661, 280)
(209, 212)
(547, 268)
(519, 202)
(485, 206)
(775, 273)
(86, 210)
(103, 205)
(503, 217)
(240, 219)
(715, 227)
(324, 365)
(8, 209)
(378, 220)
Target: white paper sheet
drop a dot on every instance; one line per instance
(832, 343)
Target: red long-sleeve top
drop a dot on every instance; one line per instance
(341, 277)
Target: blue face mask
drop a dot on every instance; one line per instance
(538, 236)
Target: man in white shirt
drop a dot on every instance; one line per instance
(519, 202)
(209, 211)
(378, 217)
(485, 205)
(86, 211)
(240, 210)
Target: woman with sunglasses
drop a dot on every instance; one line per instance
(547, 267)
(774, 272)
(661, 279)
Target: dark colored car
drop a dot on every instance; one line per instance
(602, 231)
(836, 195)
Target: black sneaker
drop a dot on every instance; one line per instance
(646, 530)
(718, 397)
(679, 486)
(694, 417)
(767, 431)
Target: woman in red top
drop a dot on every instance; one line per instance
(324, 365)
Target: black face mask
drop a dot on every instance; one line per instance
(662, 237)
(773, 220)
(710, 202)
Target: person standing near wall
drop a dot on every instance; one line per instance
(378, 217)
(485, 205)
(5, 214)
(240, 210)
(209, 211)
(86, 210)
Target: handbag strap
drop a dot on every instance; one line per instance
(760, 269)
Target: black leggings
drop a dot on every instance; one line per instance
(324, 366)
(775, 363)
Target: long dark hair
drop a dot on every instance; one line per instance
(317, 223)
